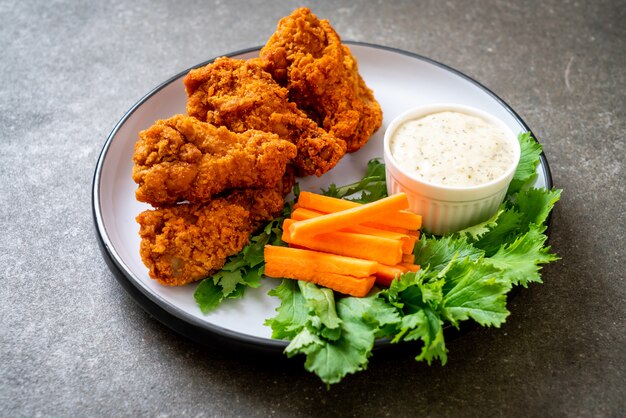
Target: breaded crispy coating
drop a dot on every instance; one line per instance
(306, 56)
(185, 243)
(238, 94)
(222, 172)
(262, 204)
(184, 159)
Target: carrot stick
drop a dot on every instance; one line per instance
(349, 285)
(408, 258)
(384, 281)
(408, 241)
(410, 267)
(409, 244)
(319, 262)
(323, 203)
(383, 250)
(387, 227)
(386, 274)
(404, 218)
(301, 214)
(385, 270)
(338, 220)
(368, 230)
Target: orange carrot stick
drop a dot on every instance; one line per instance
(408, 241)
(390, 271)
(388, 227)
(411, 267)
(384, 281)
(338, 220)
(349, 285)
(300, 214)
(409, 244)
(404, 218)
(368, 230)
(408, 258)
(386, 274)
(368, 247)
(323, 203)
(315, 261)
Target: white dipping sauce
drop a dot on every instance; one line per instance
(452, 148)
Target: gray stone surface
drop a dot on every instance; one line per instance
(72, 342)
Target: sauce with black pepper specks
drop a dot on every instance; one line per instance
(452, 149)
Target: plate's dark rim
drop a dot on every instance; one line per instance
(172, 316)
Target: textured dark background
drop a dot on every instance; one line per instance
(72, 342)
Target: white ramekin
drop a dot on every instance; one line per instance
(446, 209)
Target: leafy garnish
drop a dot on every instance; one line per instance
(508, 222)
(526, 171)
(464, 276)
(535, 205)
(519, 261)
(292, 314)
(418, 296)
(371, 187)
(475, 232)
(438, 252)
(336, 338)
(475, 289)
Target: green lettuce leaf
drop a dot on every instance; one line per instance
(358, 320)
(371, 187)
(535, 205)
(418, 297)
(519, 262)
(503, 232)
(208, 295)
(292, 313)
(526, 172)
(474, 289)
(321, 302)
(437, 252)
(475, 232)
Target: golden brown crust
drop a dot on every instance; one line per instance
(185, 243)
(238, 94)
(306, 56)
(300, 119)
(184, 159)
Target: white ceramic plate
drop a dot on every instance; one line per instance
(399, 80)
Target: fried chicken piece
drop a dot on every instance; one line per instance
(306, 55)
(182, 158)
(238, 94)
(262, 204)
(185, 243)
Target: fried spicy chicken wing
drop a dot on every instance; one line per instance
(238, 94)
(182, 158)
(306, 56)
(185, 243)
